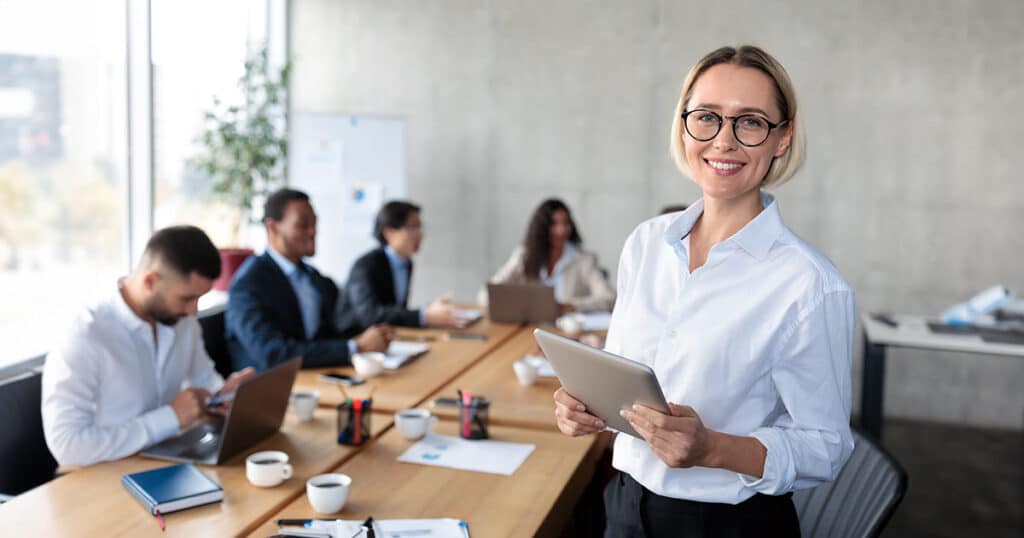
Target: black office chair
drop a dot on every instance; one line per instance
(25, 460)
(860, 501)
(212, 322)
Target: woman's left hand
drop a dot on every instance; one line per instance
(679, 439)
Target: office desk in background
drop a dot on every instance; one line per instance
(536, 500)
(92, 502)
(414, 381)
(512, 404)
(912, 333)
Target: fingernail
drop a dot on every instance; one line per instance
(636, 407)
(598, 424)
(580, 407)
(622, 413)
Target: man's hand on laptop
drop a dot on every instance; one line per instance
(441, 313)
(189, 406)
(376, 338)
(220, 403)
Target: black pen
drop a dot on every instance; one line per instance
(300, 522)
(368, 527)
(466, 336)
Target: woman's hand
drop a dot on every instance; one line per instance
(679, 439)
(572, 416)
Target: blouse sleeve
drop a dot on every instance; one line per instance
(810, 441)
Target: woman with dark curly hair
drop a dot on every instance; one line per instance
(552, 254)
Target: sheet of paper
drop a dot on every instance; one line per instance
(483, 456)
(383, 528)
(468, 315)
(544, 368)
(399, 352)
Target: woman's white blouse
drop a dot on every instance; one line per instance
(758, 341)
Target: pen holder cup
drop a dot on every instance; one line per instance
(354, 421)
(473, 418)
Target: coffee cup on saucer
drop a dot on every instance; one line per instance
(327, 493)
(526, 371)
(304, 403)
(267, 468)
(413, 424)
(368, 364)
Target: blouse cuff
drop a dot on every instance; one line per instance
(779, 471)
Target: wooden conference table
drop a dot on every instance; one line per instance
(537, 499)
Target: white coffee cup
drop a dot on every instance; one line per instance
(268, 468)
(526, 371)
(368, 364)
(327, 493)
(413, 424)
(570, 325)
(304, 403)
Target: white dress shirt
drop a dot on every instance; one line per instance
(758, 341)
(107, 386)
(554, 278)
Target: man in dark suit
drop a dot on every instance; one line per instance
(280, 307)
(378, 284)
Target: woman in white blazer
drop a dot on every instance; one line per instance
(552, 254)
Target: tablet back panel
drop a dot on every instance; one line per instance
(603, 381)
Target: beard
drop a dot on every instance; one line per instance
(156, 308)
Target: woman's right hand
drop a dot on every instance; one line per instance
(572, 416)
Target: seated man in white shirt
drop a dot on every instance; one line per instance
(132, 371)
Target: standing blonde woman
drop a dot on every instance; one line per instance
(748, 327)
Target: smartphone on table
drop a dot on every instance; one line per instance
(342, 379)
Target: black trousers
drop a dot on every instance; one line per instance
(633, 511)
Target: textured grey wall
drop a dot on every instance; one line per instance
(914, 114)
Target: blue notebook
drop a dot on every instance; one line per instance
(173, 488)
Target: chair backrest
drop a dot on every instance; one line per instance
(860, 501)
(212, 322)
(25, 460)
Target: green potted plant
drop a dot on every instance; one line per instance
(243, 149)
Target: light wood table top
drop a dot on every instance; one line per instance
(512, 404)
(536, 500)
(413, 382)
(92, 502)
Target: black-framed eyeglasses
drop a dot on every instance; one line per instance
(751, 130)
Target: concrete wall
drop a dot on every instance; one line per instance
(913, 109)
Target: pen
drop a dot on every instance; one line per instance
(415, 338)
(465, 528)
(218, 399)
(466, 336)
(300, 522)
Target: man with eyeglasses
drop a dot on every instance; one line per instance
(379, 282)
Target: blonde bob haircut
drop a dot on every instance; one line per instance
(782, 168)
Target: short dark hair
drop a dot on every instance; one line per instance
(184, 250)
(273, 209)
(392, 215)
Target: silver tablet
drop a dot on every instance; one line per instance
(603, 381)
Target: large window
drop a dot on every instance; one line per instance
(62, 164)
(74, 199)
(187, 75)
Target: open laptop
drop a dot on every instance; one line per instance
(521, 303)
(257, 412)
